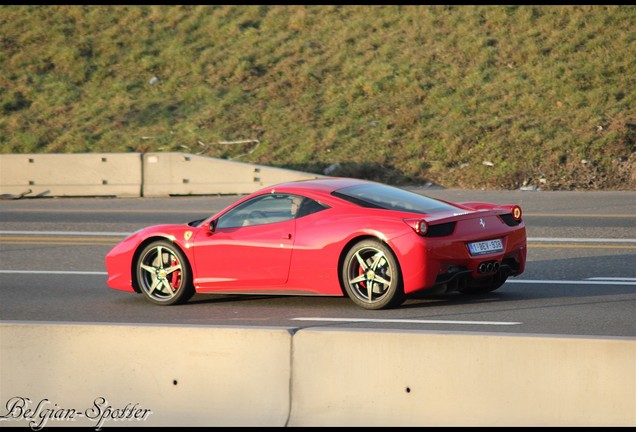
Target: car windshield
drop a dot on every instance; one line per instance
(391, 198)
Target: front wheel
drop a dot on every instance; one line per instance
(371, 276)
(163, 274)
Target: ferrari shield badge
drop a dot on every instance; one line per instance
(187, 235)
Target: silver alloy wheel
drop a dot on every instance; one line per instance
(161, 273)
(369, 275)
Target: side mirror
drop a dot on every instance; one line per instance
(213, 224)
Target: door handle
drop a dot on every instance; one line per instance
(287, 236)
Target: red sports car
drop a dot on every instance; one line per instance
(371, 242)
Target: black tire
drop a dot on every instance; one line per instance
(487, 286)
(371, 276)
(163, 274)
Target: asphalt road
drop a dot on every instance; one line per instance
(580, 277)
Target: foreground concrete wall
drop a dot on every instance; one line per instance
(134, 175)
(222, 376)
(186, 376)
(375, 378)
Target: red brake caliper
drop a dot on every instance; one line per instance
(175, 279)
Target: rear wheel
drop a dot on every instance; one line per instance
(371, 276)
(163, 274)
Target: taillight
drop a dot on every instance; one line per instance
(421, 227)
(516, 213)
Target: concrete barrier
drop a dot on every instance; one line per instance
(165, 375)
(134, 175)
(410, 378)
(185, 174)
(168, 375)
(88, 174)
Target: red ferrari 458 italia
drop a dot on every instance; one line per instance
(371, 242)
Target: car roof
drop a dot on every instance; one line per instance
(319, 186)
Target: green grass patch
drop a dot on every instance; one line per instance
(461, 96)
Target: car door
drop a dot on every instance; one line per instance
(249, 247)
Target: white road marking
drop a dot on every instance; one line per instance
(74, 233)
(612, 278)
(49, 272)
(407, 321)
(574, 282)
(580, 240)
(588, 281)
(125, 234)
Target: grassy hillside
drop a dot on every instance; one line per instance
(465, 96)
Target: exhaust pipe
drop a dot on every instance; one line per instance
(488, 267)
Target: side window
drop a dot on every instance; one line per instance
(252, 212)
(269, 208)
(300, 206)
(307, 206)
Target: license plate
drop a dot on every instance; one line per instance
(485, 247)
